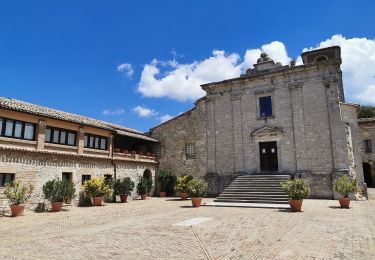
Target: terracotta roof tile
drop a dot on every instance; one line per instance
(21, 106)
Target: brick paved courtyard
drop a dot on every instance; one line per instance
(146, 230)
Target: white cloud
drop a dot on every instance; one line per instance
(182, 81)
(110, 112)
(126, 68)
(165, 118)
(145, 112)
(358, 67)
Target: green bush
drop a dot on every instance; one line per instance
(17, 194)
(297, 189)
(196, 187)
(181, 183)
(166, 179)
(97, 187)
(344, 186)
(59, 190)
(124, 187)
(143, 185)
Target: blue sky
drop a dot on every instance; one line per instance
(136, 63)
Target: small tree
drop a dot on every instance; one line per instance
(196, 187)
(97, 187)
(124, 186)
(16, 193)
(181, 183)
(165, 179)
(59, 190)
(344, 186)
(297, 189)
(142, 186)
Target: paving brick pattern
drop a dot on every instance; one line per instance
(145, 230)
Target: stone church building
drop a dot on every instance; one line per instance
(274, 119)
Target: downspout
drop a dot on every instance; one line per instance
(114, 169)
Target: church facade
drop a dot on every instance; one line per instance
(273, 119)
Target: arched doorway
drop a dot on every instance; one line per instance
(367, 172)
(147, 174)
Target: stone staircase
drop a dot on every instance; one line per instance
(261, 189)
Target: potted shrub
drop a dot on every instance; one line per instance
(181, 185)
(344, 186)
(124, 188)
(165, 177)
(297, 189)
(57, 191)
(143, 187)
(96, 188)
(196, 188)
(17, 196)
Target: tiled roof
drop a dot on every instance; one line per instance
(371, 119)
(21, 106)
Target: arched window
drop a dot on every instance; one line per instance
(321, 58)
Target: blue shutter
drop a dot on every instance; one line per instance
(262, 106)
(268, 106)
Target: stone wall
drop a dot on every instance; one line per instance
(174, 134)
(367, 132)
(36, 169)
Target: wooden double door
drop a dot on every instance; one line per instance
(268, 157)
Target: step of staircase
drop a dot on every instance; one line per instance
(257, 189)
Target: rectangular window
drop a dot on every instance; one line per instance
(71, 138)
(47, 135)
(6, 178)
(29, 131)
(265, 106)
(95, 142)
(9, 128)
(368, 146)
(16, 129)
(190, 151)
(60, 136)
(67, 176)
(85, 178)
(86, 141)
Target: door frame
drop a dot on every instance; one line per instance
(271, 161)
(257, 152)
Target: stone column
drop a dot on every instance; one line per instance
(41, 134)
(298, 126)
(337, 128)
(211, 134)
(81, 139)
(110, 144)
(237, 131)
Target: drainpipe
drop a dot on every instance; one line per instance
(114, 169)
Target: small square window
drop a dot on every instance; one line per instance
(368, 146)
(6, 178)
(67, 176)
(85, 178)
(190, 151)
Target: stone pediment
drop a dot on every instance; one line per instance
(267, 131)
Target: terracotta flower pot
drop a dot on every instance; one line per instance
(295, 205)
(163, 194)
(97, 201)
(56, 206)
(17, 210)
(196, 202)
(123, 198)
(143, 196)
(344, 202)
(184, 195)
